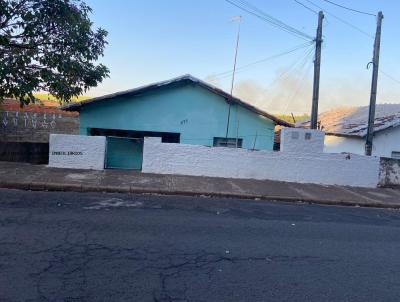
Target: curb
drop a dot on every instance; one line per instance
(68, 187)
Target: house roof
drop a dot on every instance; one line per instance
(353, 121)
(185, 79)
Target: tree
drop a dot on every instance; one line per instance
(48, 45)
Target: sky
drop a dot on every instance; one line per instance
(155, 40)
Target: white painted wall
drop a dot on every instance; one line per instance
(302, 140)
(77, 151)
(336, 144)
(384, 143)
(320, 168)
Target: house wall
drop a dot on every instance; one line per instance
(386, 141)
(24, 132)
(320, 168)
(195, 112)
(34, 123)
(336, 144)
(383, 144)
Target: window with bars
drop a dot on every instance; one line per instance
(396, 154)
(227, 142)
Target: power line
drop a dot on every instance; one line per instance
(241, 68)
(245, 68)
(303, 72)
(313, 11)
(389, 76)
(350, 9)
(363, 32)
(306, 7)
(299, 86)
(296, 65)
(253, 10)
(359, 30)
(341, 20)
(274, 20)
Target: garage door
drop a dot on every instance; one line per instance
(124, 153)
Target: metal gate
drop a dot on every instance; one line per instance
(124, 153)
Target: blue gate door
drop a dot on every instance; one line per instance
(124, 153)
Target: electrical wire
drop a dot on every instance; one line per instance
(301, 73)
(359, 30)
(277, 25)
(294, 66)
(306, 7)
(253, 10)
(299, 87)
(348, 8)
(246, 66)
(274, 20)
(341, 20)
(389, 76)
(313, 11)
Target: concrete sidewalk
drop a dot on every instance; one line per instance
(37, 177)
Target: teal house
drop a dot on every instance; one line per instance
(183, 110)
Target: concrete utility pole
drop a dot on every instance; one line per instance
(374, 86)
(317, 69)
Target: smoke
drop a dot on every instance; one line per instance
(292, 93)
(213, 80)
(289, 95)
(353, 92)
(284, 95)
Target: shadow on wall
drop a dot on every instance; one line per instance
(34, 153)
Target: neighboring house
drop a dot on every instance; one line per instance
(182, 110)
(24, 132)
(346, 130)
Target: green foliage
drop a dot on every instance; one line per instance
(288, 118)
(48, 45)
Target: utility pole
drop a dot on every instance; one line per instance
(317, 69)
(239, 19)
(374, 86)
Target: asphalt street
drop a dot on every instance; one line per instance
(57, 246)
